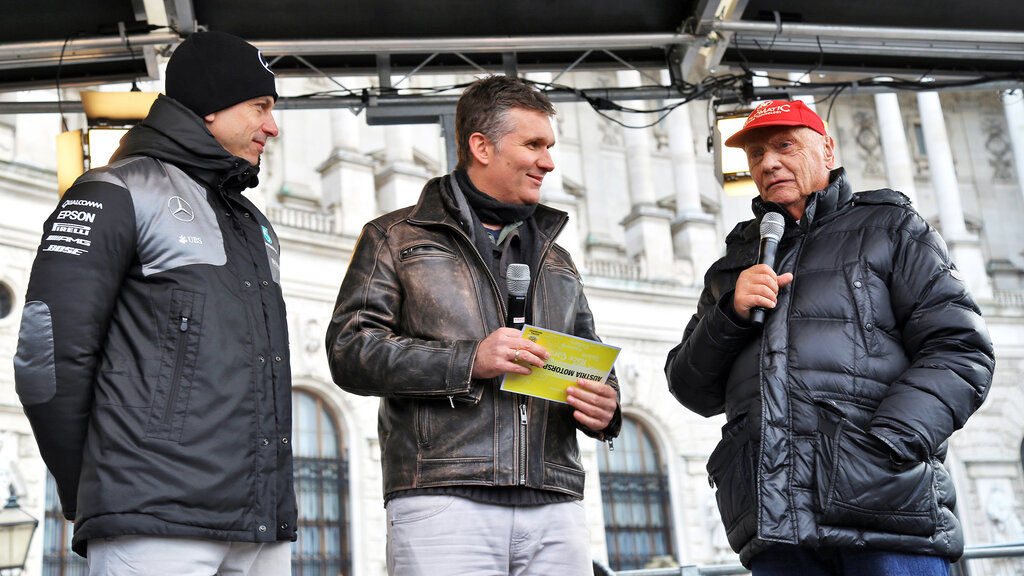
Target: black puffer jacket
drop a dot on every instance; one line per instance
(839, 412)
(153, 356)
(415, 303)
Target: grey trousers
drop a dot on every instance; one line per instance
(160, 556)
(452, 536)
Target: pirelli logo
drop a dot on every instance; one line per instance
(65, 228)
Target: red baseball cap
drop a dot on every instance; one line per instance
(777, 113)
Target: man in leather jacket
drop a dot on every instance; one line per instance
(153, 355)
(476, 480)
(872, 353)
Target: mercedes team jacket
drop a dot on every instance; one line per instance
(153, 359)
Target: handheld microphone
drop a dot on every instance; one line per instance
(772, 227)
(517, 278)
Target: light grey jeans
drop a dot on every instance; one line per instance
(161, 556)
(451, 536)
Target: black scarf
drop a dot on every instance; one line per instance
(486, 209)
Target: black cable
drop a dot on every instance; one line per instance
(60, 65)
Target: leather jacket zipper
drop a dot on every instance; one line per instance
(522, 441)
(172, 394)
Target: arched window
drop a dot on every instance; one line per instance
(58, 559)
(321, 487)
(634, 487)
(6, 300)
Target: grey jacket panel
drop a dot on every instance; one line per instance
(174, 230)
(35, 374)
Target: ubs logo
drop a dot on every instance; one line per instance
(180, 209)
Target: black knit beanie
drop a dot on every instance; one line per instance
(211, 71)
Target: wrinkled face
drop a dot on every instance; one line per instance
(243, 129)
(788, 163)
(512, 170)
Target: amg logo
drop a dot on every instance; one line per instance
(68, 240)
(64, 249)
(76, 215)
(86, 203)
(79, 229)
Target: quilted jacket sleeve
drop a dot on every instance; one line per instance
(950, 351)
(698, 367)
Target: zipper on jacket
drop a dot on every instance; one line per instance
(178, 367)
(522, 440)
(425, 249)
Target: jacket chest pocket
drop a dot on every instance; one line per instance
(556, 305)
(169, 406)
(859, 282)
(425, 250)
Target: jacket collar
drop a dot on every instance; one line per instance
(439, 204)
(173, 133)
(837, 194)
(819, 205)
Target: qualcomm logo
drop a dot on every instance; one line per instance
(180, 209)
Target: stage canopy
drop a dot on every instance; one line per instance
(710, 47)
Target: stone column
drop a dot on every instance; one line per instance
(899, 165)
(693, 230)
(1013, 105)
(648, 227)
(400, 181)
(964, 248)
(347, 176)
(601, 241)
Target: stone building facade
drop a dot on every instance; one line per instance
(648, 216)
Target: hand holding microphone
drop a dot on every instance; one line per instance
(760, 283)
(505, 351)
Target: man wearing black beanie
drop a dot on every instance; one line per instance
(160, 391)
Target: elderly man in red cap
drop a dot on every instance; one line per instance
(869, 352)
(153, 356)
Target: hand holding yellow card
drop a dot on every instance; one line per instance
(571, 358)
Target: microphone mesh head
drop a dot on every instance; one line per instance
(773, 225)
(517, 278)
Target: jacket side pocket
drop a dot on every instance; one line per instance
(169, 406)
(730, 471)
(860, 486)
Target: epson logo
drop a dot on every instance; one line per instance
(86, 203)
(76, 215)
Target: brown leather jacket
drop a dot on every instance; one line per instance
(415, 303)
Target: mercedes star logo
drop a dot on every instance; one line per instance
(181, 209)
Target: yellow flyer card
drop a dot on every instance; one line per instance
(571, 358)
